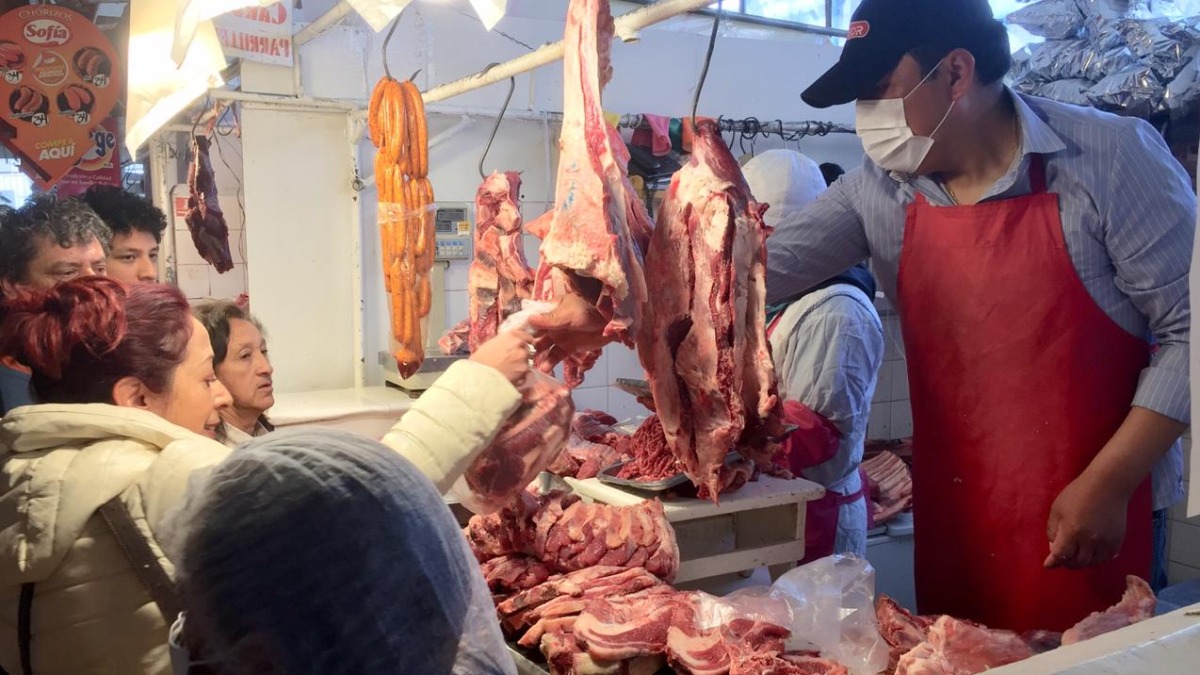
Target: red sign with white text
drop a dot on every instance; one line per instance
(262, 34)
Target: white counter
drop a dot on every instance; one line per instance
(369, 411)
(1164, 645)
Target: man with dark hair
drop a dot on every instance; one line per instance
(137, 227)
(831, 172)
(1035, 251)
(46, 241)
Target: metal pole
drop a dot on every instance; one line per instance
(288, 102)
(627, 28)
(322, 23)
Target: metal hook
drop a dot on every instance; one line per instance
(387, 39)
(712, 43)
(512, 86)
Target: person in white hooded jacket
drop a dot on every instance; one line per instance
(128, 415)
(827, 344)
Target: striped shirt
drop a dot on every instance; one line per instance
(1128, 215)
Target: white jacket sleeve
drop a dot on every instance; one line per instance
(453, 420)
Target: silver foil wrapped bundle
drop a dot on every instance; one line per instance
(1051, 19)
(1150, 43)
(1134, 91)
(1065, 91)
(1111, 54)
(1184, 91)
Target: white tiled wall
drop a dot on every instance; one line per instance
(891, 414)
(196, 278)
(1183, 539)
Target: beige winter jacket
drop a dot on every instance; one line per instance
(90, 613)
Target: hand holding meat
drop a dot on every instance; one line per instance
(1087, 525)
(573, 326)
(508, 353)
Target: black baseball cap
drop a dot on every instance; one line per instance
(881, 32)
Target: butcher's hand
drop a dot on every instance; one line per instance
(509, 352)
(1087, 524)
(573, 326)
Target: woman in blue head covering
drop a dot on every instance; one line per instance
(316, 551)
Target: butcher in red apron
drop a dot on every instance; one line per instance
(827, 346)
(996, 439)
(1032, 249)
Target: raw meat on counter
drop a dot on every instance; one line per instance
(600, 427)
(595, 443)
(526, 444)
(567, 535)
(589, 243)
(1136, 605)
(499, 277)
(704, 344)
(515, 571)
(608, 620)
(922, 645)
(652, 456)
(891, 486)
(204, 218)
(956, 647)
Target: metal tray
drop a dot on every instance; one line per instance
(639, 388)
(609, 475)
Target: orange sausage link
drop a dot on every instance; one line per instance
(425, 298)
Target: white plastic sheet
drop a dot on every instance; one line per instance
(379, 13)
(192, 13)
(158, 89)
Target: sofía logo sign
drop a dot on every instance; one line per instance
(47, 32)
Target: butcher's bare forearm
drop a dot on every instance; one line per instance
(1140, 442)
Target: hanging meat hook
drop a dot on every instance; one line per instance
(712, 43)
(512, 86)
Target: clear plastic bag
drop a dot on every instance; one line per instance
(832, 602)
(528, 441)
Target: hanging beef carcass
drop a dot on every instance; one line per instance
(589, 242)
(704, 344)
(204, 218)
(500, 277)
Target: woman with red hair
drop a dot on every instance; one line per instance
(128, 410)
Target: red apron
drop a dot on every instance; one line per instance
(1018, 379)
(815, 441)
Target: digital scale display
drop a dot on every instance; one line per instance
(452, 225)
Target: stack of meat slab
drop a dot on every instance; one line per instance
(891, 486)
(590, 239)
(704, 340)
(589, 584)
(944, 645)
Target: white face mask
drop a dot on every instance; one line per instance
(181, 658)
(886, 137)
